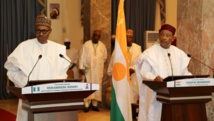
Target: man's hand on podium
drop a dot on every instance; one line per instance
(158, 79)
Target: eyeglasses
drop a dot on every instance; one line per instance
(44, 31)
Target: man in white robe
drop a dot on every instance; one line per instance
(22, 60)
(91, 64)
(73, 54)
(156, 63)
(134, 51)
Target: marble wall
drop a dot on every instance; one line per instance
(98, 12)
(195, 33)
(195, 36)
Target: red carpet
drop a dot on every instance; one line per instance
(6, 116)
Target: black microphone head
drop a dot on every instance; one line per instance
(60, 55)
(168, 54)
(40, 56)
(188, 55)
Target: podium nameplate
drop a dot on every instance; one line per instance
(193, 82)
(59, 87)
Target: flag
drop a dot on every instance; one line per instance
(120, 95)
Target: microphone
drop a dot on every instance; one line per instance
(39, 57)
(201, 63)
(170, 64)
(73, 64)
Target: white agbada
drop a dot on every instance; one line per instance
(92, 59)
(135, 51)
(21, 61)
(153, 62)
(73, 54)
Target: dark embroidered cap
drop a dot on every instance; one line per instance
(168, 27)
(42, 20)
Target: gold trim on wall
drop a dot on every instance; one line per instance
(44, 5)
(162, 12)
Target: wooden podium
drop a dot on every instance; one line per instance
(182, 103)
(53, 106)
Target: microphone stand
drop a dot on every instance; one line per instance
(201, 63)
(73, 65)
(171, 65)
(28, 81)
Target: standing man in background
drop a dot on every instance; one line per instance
(134, 51)
(24, 58)
(156, 63)
(91, 64)
(73, 54)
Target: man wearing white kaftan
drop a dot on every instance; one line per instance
(92, 59)
(24, 57)
(134, 50)
(154, 64)
(22, 60)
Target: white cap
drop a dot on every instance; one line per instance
(66, 40)
(113, 36)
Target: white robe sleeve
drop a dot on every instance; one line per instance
(17, 71)
(146, 70)
(18, 78)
